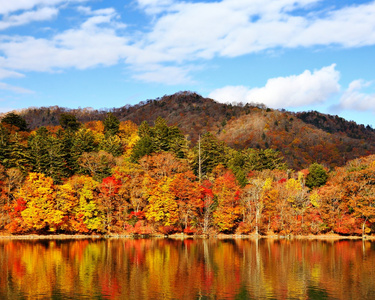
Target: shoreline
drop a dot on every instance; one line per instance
(182, 236)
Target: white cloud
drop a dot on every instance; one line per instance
(179, 34)
(355, 99)
(348, 27)
(10, 6)
(155, 6)
(9, 74)
(42, 14)
(7, 6)
(15, 89)
(94, 43)
(286, 92)
(190, 31)
(166, 75)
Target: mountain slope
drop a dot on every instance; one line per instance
(303, 138)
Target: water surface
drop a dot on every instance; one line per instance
(186, 269)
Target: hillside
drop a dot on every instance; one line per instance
(303, 138)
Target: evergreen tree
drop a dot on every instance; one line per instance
(47, 155)
(212, 153)
(4, 145)
(111, 144)
(18, 154)
(143, 147)
(82, 141)
(262, 159)
(317, 176)
(159, 138)
(111, 125)
(69, 122)
(15, 120)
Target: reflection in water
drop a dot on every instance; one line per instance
(187, 269)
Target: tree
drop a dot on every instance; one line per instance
(187, 192)
(4, 144)
(82, 141)
(160, 138)
(111, 125)
(227, 193)
(144, 146)
(47, 155)
(162, 207)
(162, 165)
(87, 216)
(15, 120)
(39, 196)
(109, 200)
(317, 176)
(209, 206)
(69, 122)
(253, 201)
(97, 164)
(359, 187)
(111, 144)
(212, 153)
(18, 156)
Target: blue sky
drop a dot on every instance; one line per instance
(293, 54)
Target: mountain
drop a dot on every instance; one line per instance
(303, 138)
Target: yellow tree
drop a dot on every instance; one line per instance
(129, 136)
(87, 215)
(39, 194)
(162, 207)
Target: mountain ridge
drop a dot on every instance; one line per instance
(303, 137)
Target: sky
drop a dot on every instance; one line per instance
(297, 55)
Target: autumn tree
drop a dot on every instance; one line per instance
(40, 213)
(227, 193)
(109, 200)
(253, 201)
(87, 216)
(162, 207)
(97, 164)
(187, 192)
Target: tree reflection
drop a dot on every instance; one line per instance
(187, 269)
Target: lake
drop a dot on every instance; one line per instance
(187, 269)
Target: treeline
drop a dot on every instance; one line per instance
(116, 177)
(302, 138)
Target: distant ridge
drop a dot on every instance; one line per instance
(303, 138)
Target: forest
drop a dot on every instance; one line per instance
(119, 177)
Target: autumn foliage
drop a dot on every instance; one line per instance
(116, 177)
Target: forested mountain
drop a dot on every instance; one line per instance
(204, 168)
(303, 138)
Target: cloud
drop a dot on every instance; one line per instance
(155, 6)
(94, 43)
(42, 14)
(231, 28)
(166, 75)
(9, 74)
(355, 99)
(8, 6)
(15, 89)
(179, 34)
(286, 92)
